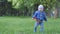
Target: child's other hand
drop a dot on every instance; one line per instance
(38, 21)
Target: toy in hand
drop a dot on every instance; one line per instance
(34, 18)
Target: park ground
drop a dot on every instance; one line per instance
(25, 25)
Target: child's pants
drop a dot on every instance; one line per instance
(41, 26)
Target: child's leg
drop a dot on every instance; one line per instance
(41, 26)
(35, 26)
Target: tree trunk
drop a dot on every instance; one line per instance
(55, 13)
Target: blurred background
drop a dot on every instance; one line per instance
(16, 16)
(28, 7)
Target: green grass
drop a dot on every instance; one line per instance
(25, 25)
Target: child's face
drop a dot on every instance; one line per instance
(41, 9)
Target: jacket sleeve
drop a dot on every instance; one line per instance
(45, 18)
(35, 15)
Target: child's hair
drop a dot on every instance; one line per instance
(40, 6)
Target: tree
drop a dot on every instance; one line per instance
(27, 7)
(57, 9)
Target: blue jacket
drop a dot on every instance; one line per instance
(40, 15)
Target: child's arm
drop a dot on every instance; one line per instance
(45, 18)
(34, 16)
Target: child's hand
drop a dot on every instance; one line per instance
(33, 19)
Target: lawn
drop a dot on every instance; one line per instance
(25, 25)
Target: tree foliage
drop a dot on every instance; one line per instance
(29, 6)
